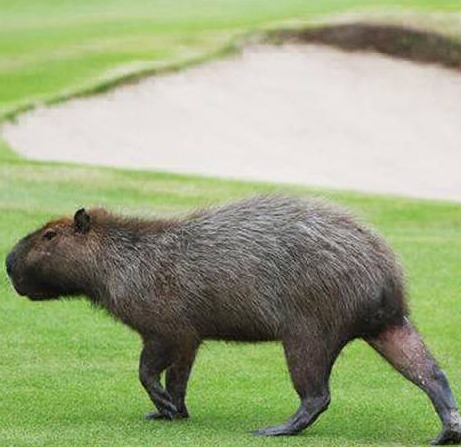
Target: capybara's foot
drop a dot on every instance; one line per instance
(307, 413)
(166, 415)
(276, 430)
(155, 415)
(450, 435)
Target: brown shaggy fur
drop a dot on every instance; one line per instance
(269, 268)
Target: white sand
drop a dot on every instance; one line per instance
(302, 114)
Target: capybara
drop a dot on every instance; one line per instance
(267, 268)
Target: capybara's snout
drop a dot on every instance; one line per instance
(10, 263)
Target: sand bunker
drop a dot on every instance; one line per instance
(295, 113)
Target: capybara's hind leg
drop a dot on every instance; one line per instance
(309, 362)
(156, 358)
(403, 347)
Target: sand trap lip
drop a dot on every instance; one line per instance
(296, 113)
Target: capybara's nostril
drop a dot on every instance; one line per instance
(10, 261)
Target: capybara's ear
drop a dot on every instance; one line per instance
(82, 221)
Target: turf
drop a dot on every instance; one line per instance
(69, 372)
(52, 49)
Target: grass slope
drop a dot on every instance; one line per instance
(52, 49)
(68, 373)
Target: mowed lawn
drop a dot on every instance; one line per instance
(69, 372)
(51, 49)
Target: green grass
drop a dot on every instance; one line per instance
(68, 372)
(53, 49)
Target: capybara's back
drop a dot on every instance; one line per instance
(268, 268)
(262, 268)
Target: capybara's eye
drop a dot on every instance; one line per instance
(50, 234)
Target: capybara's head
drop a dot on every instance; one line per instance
(52, 261)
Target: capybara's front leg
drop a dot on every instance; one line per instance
(156, 358)
(177, 376)
(403, 347)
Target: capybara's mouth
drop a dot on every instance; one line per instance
(41, 296)
(18, 287)
(37, 294)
